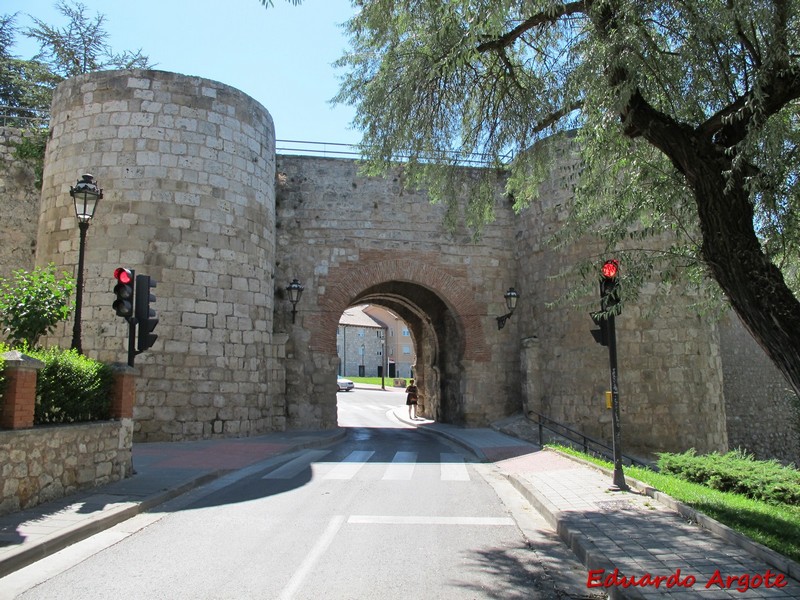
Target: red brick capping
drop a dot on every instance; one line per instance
(123, 393)
(19, 396)
(345, 282)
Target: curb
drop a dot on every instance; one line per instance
(27, 555)
(593, 558)
(769, 556)
(479, 454)
(583, 548)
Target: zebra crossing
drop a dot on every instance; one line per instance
(403, 466)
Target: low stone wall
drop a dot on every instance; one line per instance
(46, 463)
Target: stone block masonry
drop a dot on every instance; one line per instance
(46, 463)
(196, 198)
(187, 168)
(19, 203)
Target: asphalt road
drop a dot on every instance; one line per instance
(388, 513)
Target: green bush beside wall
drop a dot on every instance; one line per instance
(71, 388)
(738, 472)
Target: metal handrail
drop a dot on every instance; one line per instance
(13, 116)
(17, 116)
(303, 147)
(588, 445)
(306, 148)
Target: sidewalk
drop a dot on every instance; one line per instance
(626, 531)
(163, 471)
(619, 535)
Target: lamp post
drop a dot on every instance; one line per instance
(384, 362)
(295, 291)
(85, 196)
(511, 297)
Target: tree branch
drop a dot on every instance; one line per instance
(505, 40)
(729, 125)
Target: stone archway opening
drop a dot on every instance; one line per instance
(438, 340)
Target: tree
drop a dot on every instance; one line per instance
(268, 3)
(686, 115)
(81, 46)
(33, 303)
(26, 87)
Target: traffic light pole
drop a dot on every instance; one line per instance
(131, 340)
(619, 476)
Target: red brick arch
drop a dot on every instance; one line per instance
(344, 283)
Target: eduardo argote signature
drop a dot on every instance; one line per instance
(598, 578)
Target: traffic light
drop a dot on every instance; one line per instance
(609, 299)
(123, 305)
(609, 286)
(145, 316)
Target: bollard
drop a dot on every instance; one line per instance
(19, 396)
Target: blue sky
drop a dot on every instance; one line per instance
(281, 56)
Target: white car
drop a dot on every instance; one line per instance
(345, 385)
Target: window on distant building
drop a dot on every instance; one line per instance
(360, 333)
(406, 333)
(406, 349)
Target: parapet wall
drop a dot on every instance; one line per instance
(47, 463)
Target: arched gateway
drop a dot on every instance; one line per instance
(436, 306)
(196, 197)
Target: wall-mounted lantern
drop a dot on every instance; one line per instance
(85, 195)
(295, 291)
(511, 297)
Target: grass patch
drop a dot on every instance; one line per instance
(776, 526)
(388, 381)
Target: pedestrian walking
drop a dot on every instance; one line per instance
(411, 400)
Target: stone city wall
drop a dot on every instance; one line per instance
(193, 199)
(19, 203)
(762, 410)
(356, 239)
(670, 381)
(46, 463)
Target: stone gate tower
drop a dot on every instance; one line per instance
(187, 166)
(196, 197)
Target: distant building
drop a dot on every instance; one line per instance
(360, 339)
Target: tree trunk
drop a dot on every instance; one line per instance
(755, 287)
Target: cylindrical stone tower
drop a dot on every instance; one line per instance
(187, 168)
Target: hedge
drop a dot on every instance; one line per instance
(738, 472)
(71, 388)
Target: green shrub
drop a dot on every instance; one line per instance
(737, 472)
(71, 388)
(33, 302)
(31, 149)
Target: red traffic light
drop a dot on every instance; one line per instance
(123, 304)
(123, 275)
(610, 269)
